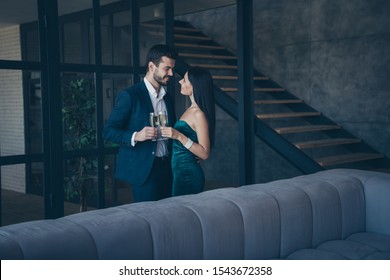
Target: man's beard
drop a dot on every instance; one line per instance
(160, 80)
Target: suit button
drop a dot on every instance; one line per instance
(153, 153)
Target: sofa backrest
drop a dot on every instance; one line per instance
(261, 221)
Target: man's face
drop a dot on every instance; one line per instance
(164, 71)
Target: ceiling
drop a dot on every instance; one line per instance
(22, 11)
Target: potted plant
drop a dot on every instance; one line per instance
(79, 125)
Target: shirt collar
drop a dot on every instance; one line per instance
(152, 91)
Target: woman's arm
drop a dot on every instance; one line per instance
(201, 149)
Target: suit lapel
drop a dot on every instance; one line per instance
(145, 97)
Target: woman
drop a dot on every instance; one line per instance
(193, 134)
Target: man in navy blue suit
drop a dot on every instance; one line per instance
(142, 162)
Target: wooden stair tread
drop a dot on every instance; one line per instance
(214, 66)
(306, 128)
(178, 28)
(270, 89)
(199, 46)
(348, 158)
(326, 142)
(192, 37)
(260, 78)
(278, 101)
(234, 89)
(186, 29)
(179, 36)
(288, 115)
(235, 78)
(220, 77)
(209, 56)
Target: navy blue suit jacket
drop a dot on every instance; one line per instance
(130, 114)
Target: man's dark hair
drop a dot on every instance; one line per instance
(157, 52)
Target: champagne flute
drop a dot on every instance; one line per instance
(154, 121)
(163, 121)
(163, 118)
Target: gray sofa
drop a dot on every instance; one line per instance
(336, 214)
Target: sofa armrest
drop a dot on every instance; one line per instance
(377, 196)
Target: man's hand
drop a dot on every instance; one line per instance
(147, 133)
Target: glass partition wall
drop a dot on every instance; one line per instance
(21, 123)
(62, 64)
(53, 160)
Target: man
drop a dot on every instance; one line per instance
(142, 161)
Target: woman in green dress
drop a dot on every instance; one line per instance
(193, 133)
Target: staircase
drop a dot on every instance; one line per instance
(302, 135)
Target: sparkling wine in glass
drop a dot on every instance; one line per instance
(154, 121)
(163, 119)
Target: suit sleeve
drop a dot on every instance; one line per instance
(116, 128)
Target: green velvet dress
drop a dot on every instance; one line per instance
(188, 176)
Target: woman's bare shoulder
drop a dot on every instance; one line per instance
(198, 114)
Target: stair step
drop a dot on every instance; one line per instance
(179, 36)
(288, 115)
(306, 128)
(208, 56)
(348, 158)
(234, 89)
(214, 66)
(199, 46)
(259, 78)
(277, 101)
(186, 29)
(192, 37)
(326, 143)
(178, 28)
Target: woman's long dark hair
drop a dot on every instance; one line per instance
(203, 91)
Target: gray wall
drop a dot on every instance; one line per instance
(333, 54)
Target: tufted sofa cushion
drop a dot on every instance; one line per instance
(358, 246)
(53, 239)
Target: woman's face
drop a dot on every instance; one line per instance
(186, 86)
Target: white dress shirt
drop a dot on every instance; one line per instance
(158, 105)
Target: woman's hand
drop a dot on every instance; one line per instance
(198, 150)
(169, 132)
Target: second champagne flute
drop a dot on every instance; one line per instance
(163, 120)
